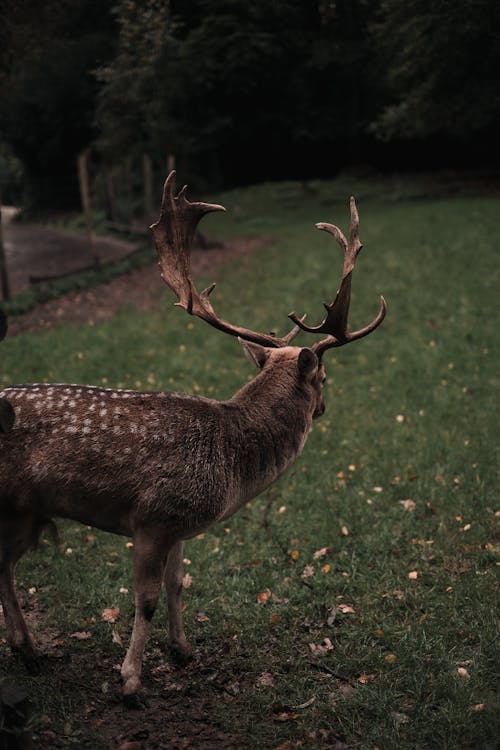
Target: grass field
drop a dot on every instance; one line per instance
(353, 604)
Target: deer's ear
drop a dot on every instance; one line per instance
(307, 363)
(256, 353)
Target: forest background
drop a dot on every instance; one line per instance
(242, 92)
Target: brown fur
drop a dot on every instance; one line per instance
(158, 467)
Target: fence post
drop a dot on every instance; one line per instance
(4, 276)
(147, 176)
(83, 177)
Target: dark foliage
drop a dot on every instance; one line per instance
(243, 91)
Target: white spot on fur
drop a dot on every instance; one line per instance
(103, 412)
(72, 430)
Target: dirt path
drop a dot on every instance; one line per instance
(34, 250)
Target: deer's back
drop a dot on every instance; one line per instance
(94, 454)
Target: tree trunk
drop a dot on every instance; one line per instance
(83, 176)
(4, 276)
(147, 176)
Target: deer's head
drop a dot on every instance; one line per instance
(173, 234)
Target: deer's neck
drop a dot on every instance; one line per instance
(271, 418)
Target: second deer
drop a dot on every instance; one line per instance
(161, 467)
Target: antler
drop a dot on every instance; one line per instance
(335, 323)
(173, 234)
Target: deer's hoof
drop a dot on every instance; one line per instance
(181, 652)
(134, 702)
(30, 657)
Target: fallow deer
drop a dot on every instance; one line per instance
(161, 467)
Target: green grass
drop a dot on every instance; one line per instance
(410, 416)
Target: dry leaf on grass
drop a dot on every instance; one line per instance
(409, 505)
(284, 714)
(110, 614)
(81, 636)
(322, 552)
(264, 596)
(307, 572)
(265, 680)
(321, 649)
(364, 678)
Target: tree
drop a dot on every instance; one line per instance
(442, 69)
(128, 106)
(48, 90)
(268, 89)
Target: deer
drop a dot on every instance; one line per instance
(161, 467)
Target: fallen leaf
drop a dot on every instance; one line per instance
(322, 552)
(110, 614)
(379, 633)
(364, 678)
(265, 680)
(307, 572)
(284, 715)
(400, 718)
(478, 707)
(202, 617)
(346, 609)
(321, 649)
(294, 554)
(326, 568)
(409, 505)
(263, 597)
(390, 658)
(463, 673)
(413, 575)
(187, 580)
(81, 636)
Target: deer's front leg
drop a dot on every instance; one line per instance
(179, 646)
(150, 552)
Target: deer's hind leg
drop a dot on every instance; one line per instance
(179, 647)
(151, 548)
(18, 533)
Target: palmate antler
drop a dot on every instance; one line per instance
(173, 234)
(335, 323)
